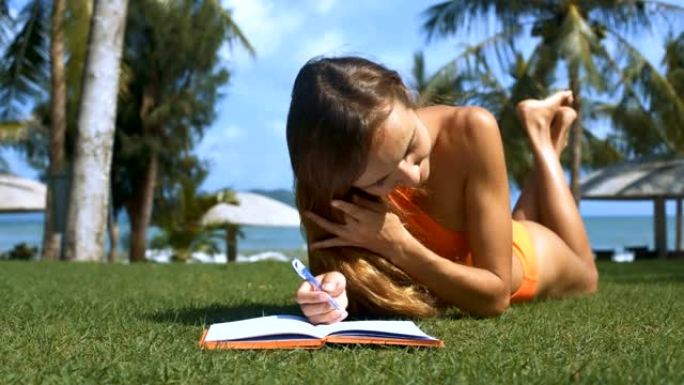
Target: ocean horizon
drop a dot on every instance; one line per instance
(605, 232)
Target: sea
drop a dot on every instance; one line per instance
(605, 232)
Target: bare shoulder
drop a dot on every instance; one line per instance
(479, 126)
(466, 125)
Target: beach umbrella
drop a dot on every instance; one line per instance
(253, 210)
(20, 194)
(654, 179)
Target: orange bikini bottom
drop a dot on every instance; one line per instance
(524, 250)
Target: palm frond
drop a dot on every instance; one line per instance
(476, 57)
(578, 45)
(23, 72)
(418, 72)
(655, 94)
(600, 152)
(637, 133)
(77, 19)
(451, 17)
(674, 63)
(234, 31)
(4, 9)
(29, 138)
(634, 16)
(12, 131)
(5, 21)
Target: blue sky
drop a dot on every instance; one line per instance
(246, 144)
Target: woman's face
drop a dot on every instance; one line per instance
(399, 154)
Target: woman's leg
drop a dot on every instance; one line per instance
(565, 259)
(546, 197)
(526, 208)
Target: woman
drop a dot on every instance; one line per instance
(406, 210)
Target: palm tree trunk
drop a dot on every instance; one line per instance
(113, 228)
(678, 236)
(51, 239)
(231, 243)
(52, 236)
(576, 135)
(89, 200)
(140, 211)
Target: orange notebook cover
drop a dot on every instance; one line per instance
(292, 332)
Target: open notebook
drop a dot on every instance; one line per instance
(288, 332)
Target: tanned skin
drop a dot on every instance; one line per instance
(456, 154)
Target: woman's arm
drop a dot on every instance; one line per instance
(474, 290)
(483, 289)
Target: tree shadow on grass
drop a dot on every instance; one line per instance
(205, 315)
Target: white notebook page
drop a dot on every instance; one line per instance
(407, 328)
(289, 325)
(258, 327)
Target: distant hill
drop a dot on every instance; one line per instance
(282, 195)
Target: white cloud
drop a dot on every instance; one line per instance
(322, 7)
(214, 144)
(265, 23)
(331, 42)
(243, 159)
(13, 11)
(278, 127)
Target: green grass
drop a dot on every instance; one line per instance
(110, 324)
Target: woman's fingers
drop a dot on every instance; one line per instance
(318, 309)
(327, 317)
(334, 283)
(327, 225)
(307, 294)
(316, 305)
(352, 210)
(368, 204)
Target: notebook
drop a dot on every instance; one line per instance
(291, 332)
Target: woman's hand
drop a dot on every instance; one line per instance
(368, 225)
(314, 303)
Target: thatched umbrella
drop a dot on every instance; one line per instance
(655, 180)
(21, 195)
(252, 210)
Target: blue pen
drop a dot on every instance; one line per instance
(304, 272)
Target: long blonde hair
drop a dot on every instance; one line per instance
(337, 104)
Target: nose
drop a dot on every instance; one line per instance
(409, 174)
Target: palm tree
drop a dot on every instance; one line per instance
(34, 60)
(180, 208)
(674, 62)
(89, 198)
(442, 87)
(649, 117)
(475, 83)
(170, 96)
(572, 37)
(51, 237)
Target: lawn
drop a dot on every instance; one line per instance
(72, 323)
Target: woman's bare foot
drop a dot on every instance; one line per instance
(560, 127)
(536, 116)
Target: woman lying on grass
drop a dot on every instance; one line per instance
(406, 210)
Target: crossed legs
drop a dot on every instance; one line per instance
(546, 205)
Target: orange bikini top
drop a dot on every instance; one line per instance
(447, 243)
